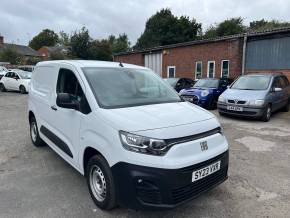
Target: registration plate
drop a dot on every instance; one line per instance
(234, 108)
(206, 171)
(188, 99)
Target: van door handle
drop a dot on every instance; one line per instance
(53, 108)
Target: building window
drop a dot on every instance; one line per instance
(198, 70)
(170, 71)
(210, 69)
(225, 69)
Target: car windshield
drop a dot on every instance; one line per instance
(206, 83)
(121, 87)
(171, 81)
(24, 74)
(252, 83)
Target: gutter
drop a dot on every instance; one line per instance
(244, 53)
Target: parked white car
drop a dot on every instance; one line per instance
(136, 141)
(16, 80)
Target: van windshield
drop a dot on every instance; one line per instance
(252, 83)
(206, 83)
(122, 87)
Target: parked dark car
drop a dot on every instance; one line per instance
(256, 95)
(180, 83)
(206, 92)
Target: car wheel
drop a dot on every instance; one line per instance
(34, 134)
(2, 87)
(211, 105)
(22, 89)
(267, 113)
(287, 106)
(101, 183)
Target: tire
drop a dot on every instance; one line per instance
(211, 105)
(267, 113)
(286, 108)
(22, 89)
(34, 134)
(2, 87)
(101, 183)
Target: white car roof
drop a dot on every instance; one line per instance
(86, 63)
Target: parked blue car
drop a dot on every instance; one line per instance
(206, 92)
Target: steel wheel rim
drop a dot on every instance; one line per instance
(98, 183)
(33, 131)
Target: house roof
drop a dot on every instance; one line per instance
(203, 41)
(56, 48)
(21, 49)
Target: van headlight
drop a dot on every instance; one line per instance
(142, 144)
(257, 102)
(204, 93)
(221, 99)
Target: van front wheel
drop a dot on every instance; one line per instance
(34, 134)
(101, 183)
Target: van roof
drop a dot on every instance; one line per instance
(90, 63)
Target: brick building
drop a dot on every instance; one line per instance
(46, 51)
(230, 56)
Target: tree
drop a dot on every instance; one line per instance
(260, 25)
(10, 55)
(100, 50)
(63, 38)
(228, 27)
(57, 55)
(80, 43)
(164, 28)
(45, 38)
(120, 44)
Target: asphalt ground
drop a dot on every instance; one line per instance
(36, 182)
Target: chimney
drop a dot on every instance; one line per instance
(1, 40)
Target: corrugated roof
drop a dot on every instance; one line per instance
(21, 49)
(202, 41)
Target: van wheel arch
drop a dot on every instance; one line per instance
(88, 154)
(30, 116)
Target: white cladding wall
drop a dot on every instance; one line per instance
(154, 62)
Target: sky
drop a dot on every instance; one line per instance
(20, 20)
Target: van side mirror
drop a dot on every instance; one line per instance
(65, 100)
(277, 89)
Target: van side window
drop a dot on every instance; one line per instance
(68, 83)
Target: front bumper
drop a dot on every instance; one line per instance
(141, 187)
(200, 101)
(247, 111)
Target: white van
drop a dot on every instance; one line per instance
(136, 141)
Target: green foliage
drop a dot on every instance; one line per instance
(83, 47)
(57, 55)
(45, 38)
(63, 38)
(260, 25)
(120, 44)
(164, 28)
(100, 50)
(80, 43)
(10, 55)
(32, 60)
(228, 27)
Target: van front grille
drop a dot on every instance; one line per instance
(180, 140)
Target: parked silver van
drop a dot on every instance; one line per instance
(256, 95)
